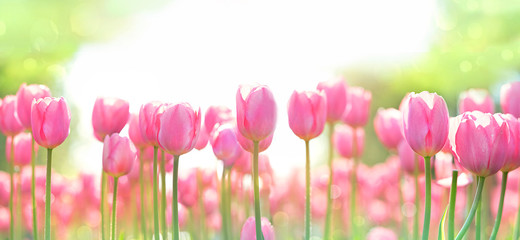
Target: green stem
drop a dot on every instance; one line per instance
(11, 191)
(102, 203)
(163, 197)
(258, 223)
(48, 196)
(500, 206)
(428, 199)
(478, 221)
(155, 198)
(307, 192)
(114, 209)
(225, 234)
(353, 184)
(201, 207)
(141, 182)
(453, 198)
(471, 214)
(516, 230)
(228, 205)
(328, 216)
(33, 194)
(417, 201)
(175, 202)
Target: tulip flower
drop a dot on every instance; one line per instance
(307, 115)
(358, 107)
(476, 100)
(510, 98)
(380, 233)
(10, 124)
(388, 124)
(217, 115)
(109, 116)
(410, 161)
(22, 149)
(480, 141)
(203, 139)
(178, 133)
(248, 145)
(50, 123)
(348, 141)
(256, 121)
(248, 230)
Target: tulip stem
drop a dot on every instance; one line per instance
(474, 205)
(175, 202)
(478, 221)
(33, 194)
(516, 230)
(201, 207)
(11, 191)
(307, 192)
(258, 223)
(114, 209)
(328, 216)
(48, 196)
(155, 198)
(453, 198)
(225, 234)
(141, 182)
(163, 197)
(353, 184)
(417, 201)
(228, 204)
(428, 199)
(102, 203)
(500, 206)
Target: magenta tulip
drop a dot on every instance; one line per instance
(476, 100)
(247, 144)
(336, 93)
(510, 98)
(148, 121)
(343, 139)
(25, 96)
(50, 121)
(307, 114)
(22, 149)
(217, 115)
(481, 142)
(248, 230)
(256, 112)
(10, 124)
(513, 152)
(388, 124)
(179, 129)
(225, 144)
(408, 158)
(358, 107)
(425, 123)
(134, 132)
(110, 115)
(119, 154)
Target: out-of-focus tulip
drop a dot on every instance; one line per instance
(148, 121)
(134, 131)
(343, 140)
(119, 155)
(425, 123)
(5, 219)
(256, 112)
(225, 145)
(336, 92)
(50, 121)
(188, 193)
(513, 153)
(444, 165)
(247, 144)
(510, 98)
(211, 200)
(249, 232)
(216, 115)
(203, 139)
(22, 149)
(179, 129)
(307, 114)
(110, 115)
(380, 233)
(476, 100)
(449, 146)
(481, 142)
(358, 107)
(10, 124)
(388, 124)
(408, 158)
(25, 96)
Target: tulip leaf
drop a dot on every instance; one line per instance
(442, 235)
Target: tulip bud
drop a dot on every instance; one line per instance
(225, 145)
(388, 125)
(25, 96)
(343, 139)
(10, 124)
(408, 158)
(336, 93)
(256, 112)
(249, 231)
(358, 107)
(217, 115)
(22, 149)
(476, 100)
(134, 131)
(119, 154)
(513, 152)
(179, 129)
(510, 98)
(110, 115)
(50, 121)
(307, 114)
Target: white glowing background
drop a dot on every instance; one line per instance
(200, 51)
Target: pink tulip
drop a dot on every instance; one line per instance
(216, 115)
(336, 93)
(10, 124)
(119, 155)
(449, 146)
(179, 129)
(380, 233)
(25, 96)
(202, 141)
(247, 144)
(110, 115)
(256, 112)
(408, 158)
(343, 140)
(480, 143)
(513, 152)
(307, 114)
(358, 107)
(22, 149)
(50, 121)
(476, 100)
(425, 123)
(149, 121)
(211, 201)
(5, 219)
(134, 131)
(249, 232)
(225, 145)
(510, 98)
(388, 125)
(188, 192)
(443, 165)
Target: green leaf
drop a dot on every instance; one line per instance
(441, 235)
